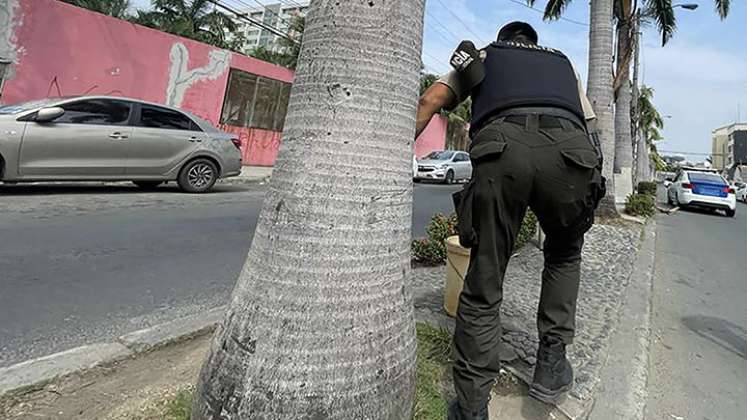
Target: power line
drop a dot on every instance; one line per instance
(433, 18)
(245, 17)
(543, 13)
(448, 9)
(436, 59)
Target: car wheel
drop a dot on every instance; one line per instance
(198, 176)
(416, 180)
(449, 177)
(147, 185)
(731, 213)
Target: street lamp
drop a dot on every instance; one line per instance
(688, 6)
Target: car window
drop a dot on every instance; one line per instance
(440, 155)
(706, 177)
(461, 157)
(95, 112)
(157, 117)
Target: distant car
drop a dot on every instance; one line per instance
(701, 189)
(103, 138)
(446, 166)
(741, 191)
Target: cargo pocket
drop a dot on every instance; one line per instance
(486, 151)
(463, 205)
(588, 159)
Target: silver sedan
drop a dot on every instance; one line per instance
(103, 138)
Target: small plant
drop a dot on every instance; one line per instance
(640, 205)
(434, 346)
(527, 231)
(647, 188)
(432, 250)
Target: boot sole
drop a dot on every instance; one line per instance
(547, 396)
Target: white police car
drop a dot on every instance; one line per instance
(701, 188)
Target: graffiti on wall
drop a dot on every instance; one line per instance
(181, 77)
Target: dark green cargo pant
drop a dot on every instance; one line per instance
(546, 164)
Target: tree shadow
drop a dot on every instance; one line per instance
(725, 334)
(31, 190)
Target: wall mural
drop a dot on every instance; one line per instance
(181, 78)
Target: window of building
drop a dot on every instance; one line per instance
(256, 102)
(3, 66)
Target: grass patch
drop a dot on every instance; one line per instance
(434, 346)
(431, 401)
(180, 407)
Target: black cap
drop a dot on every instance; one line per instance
(517, 28)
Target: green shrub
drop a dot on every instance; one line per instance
(640, 205)
(527, 231)
(647, 188)
(432, 250)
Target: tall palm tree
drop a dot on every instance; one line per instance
(320, 324)
(114, 8)
(649, 126)
(194, 19)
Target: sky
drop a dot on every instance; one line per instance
(699, 77)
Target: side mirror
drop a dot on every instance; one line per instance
(49, 114)
(667, 183)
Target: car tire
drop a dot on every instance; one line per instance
(449, 177)
(147, 185)
(198, 176)
(416, 180)
(730, 212)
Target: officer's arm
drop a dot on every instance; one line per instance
(437, 97)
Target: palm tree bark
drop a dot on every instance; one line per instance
(600, 91)
(320, 324)
(643, 161)
(623, 136)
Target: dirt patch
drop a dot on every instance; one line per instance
(126, 390)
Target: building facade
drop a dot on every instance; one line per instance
(729, 147)
(277, 15)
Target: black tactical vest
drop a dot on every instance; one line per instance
(520, 75)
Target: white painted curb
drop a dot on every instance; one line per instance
(34, 373)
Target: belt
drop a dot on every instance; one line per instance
(544, 117)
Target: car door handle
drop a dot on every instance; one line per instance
(117, 135)
(195, 139)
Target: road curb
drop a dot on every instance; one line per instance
(623, 391)
(35, 373)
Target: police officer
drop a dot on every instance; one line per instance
(530, 148)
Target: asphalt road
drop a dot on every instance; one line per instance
(80, 264)
(699, 351)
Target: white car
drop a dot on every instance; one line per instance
(446, 166)
(741, 191)
(692, 188)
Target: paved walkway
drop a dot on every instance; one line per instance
(609, 256)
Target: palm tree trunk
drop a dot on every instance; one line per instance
(623, 138)
(643, 160)
(320, 324)
(601, 93)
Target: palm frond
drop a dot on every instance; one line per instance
(662, 13)
(722, 7)
(555, 9)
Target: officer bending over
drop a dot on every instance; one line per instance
(530, 148)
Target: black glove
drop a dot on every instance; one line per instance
(466, 61)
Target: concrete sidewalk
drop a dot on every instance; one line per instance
(610, 255)
(250, 174)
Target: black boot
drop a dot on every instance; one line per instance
(456, 412)
(553, 375)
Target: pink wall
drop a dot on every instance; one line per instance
(63, 50)
(433, 137)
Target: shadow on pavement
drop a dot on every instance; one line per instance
(725, 334)
(95, 189)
